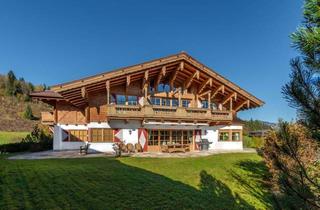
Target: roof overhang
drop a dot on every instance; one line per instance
(74, 91)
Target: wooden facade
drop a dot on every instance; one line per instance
(176, 88)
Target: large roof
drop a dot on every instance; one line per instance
(69, 90)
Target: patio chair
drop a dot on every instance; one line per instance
(164, 148)
(123, 147)
(130, 147)
(84, 148)
(138, 147)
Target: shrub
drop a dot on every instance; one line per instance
(40, 139)
(27, 114)
(292, 157)
(253, 142)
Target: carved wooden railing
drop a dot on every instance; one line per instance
(164, 112)
(47, 118)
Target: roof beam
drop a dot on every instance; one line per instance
(146, 75)
(216, 91)
(204, 84)
(246, 102)
(175, 73)
(205, 93)
(161, 74)
(228, 97)
(145, 79)
(128, 80)
(84, 93)
(188, 82)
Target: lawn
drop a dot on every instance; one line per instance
(225, 181)
(11, 137)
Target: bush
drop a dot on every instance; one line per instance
(40, 139)
(27, 114)
(292, 157)
(253, 142)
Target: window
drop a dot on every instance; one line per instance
(132, 100)
(153, 138)
(204, 104)
(187, 137)
(121, 99)
(112, 99)
(165, 102)
(164, 137)
(78, 135)
(175, 102)
(230, 135)
(236, 136)
(213, 106)
(185, 103)
(176, 137)
(101, 135)
(224, 136)
(155, 101)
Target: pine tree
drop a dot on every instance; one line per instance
(303, 90)
(11, 83)
(292, 152)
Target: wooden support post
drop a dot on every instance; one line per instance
(55, 112)
(145, 89)
(209, 100)
(83, 92)
(179, 95)
(231, 103)
(87, 114)
(108, 91)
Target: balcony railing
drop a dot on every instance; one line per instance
(169, 113)
(47, 118)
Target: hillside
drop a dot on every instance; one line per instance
(13, 106)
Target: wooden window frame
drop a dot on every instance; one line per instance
(185, 100)
(78, 137)
(101, 135)
(230, 133)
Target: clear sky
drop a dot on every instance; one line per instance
(246, 41)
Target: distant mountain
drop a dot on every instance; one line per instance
(255, 125)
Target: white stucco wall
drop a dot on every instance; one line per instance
(129, 134)
(212, 134)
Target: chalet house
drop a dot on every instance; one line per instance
(171, 100)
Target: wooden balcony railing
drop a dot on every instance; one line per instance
(163, 112)
(47, 118)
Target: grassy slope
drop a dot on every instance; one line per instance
(11, 137)
(11, 112)
(226, 181)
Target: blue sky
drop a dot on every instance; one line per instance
(246, 41)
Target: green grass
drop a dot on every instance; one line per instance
(11, 137)
(226, 181)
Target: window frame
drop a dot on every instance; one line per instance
(132, 100)
(101, 135)
(84, 133)
(183, 103)
(230, 133)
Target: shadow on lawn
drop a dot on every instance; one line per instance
(101, 183)
(255, 181)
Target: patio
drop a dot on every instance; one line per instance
(75, 154)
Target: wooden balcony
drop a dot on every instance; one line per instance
(167, 113)
(47, 118)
